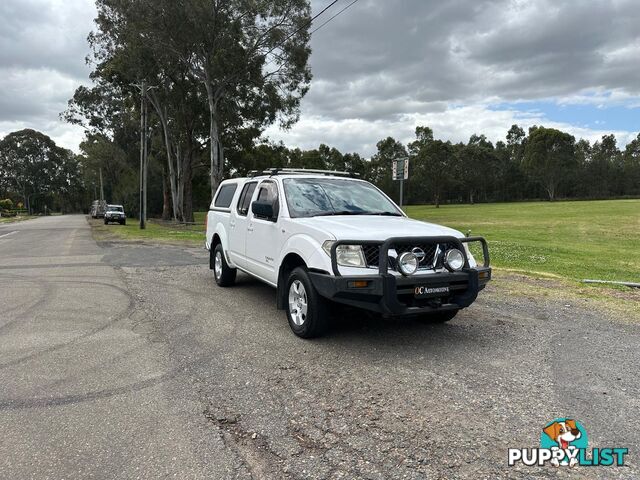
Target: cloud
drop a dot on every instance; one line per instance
(456, 123)
(380, 68)
(42, 50)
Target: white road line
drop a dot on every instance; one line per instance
(7, 234)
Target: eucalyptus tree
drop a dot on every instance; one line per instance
(250, 56)
(549, 157)
(631, 167)
(433, 164)
(32, 166)
(236, 65)
(129, 64)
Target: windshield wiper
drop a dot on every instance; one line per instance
(340, 212)
(351, 212)
(387, 214)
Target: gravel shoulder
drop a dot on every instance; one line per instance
(395, 398)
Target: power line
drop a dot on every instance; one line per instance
(345, 8)
(304, 26)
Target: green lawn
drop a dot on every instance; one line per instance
(18, 218)
(155, 231)
(198, 217)
(576, 240)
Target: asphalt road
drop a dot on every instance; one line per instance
(126, 361)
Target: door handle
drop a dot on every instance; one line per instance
(232, 224)
(250, 228)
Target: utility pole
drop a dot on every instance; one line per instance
(143, 154)
(101, 187)
(146, 157)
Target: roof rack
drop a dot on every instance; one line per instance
(301, 171)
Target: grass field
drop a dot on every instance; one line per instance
(18, 218)
(575, 240)
(155, 231)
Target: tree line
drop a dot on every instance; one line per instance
(36, 174)
(543, 163)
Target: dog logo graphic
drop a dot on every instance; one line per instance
(566, 435)
(563, 441)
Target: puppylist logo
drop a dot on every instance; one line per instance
(563, 442)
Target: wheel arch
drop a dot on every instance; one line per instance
(289, 262)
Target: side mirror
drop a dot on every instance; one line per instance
(263, 210)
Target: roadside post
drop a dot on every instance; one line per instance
(143, 153)
(400, 171)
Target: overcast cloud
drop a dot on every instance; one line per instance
(383, 67)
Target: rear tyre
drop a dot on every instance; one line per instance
(106, 223)
(307, 311)
(123, 222)
(224, 275)
(439, 317)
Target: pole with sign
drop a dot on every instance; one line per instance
(400, 171)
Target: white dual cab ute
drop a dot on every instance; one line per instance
(325, 237)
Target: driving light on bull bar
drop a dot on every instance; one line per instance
(346, 255)
(454, 260)
(408, 263)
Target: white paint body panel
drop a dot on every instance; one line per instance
(258, 246)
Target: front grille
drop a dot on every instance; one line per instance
(372, 253)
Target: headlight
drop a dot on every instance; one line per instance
(454, 260)
(408, 263)
(346, 255)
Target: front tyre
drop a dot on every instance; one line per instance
(224, 275)
(307, 311)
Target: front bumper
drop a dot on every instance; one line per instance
(391, 294)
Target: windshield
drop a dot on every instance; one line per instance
(114, 208)
(310, 197)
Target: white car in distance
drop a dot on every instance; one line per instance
(321, 237)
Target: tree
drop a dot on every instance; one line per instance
(604, 160)
(516, 140)
(549, 156)
(109, 116)
(478, 173)
(251, 57)
(244, 62)
(432, 163)
(631, 167)
(128, 65)
(32, 165)
(379, 172)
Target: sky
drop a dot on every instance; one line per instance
(381, 68)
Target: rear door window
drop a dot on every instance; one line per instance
(245, 198)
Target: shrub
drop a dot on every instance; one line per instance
(6, 204)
